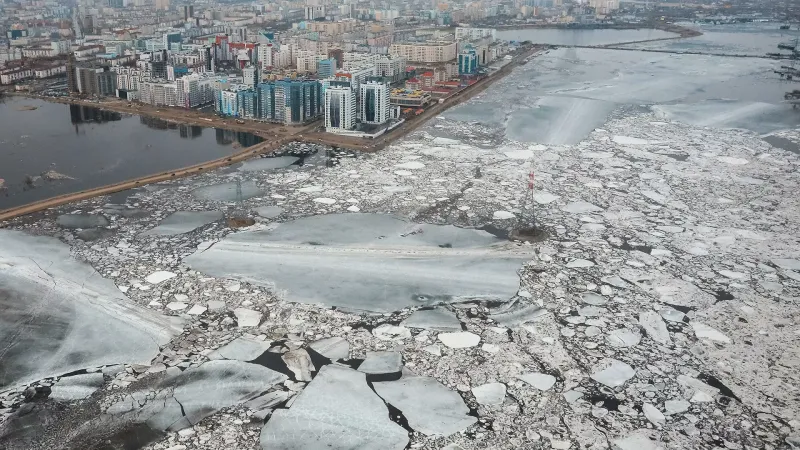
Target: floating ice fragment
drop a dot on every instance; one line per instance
(81, 220)
(176, 306)
(388, 332)
(654, 326)
(638, 440)
(382, 363)
(652, 414)
(519, 154)
(183, 222)
(324, 200)
(196, 310)
(591, 298)
(241, 349)
(733, 161)
(590, 311)
(353, 208)
(701, 397)
(627, 140)
(540, 381)
(247, 317)
(788, 264)
(572, 396)
(703, 331)
(269, 212)
(336, 411)
(615, 281)
(675, 406)
(503, 215)
(612, 373)
(310, 189)
(299, 362)
(445, 141)
(438, 319)
(333, 348)
(463, 339)
(593, 227)
(623, 337)
(733, 275)
(655, 196)
(160, 276)
(227, 192)
(669, 229)
(433, 349)
(411, 165)
(431, 408)
(597, 155)
(403, 173)
(581, 207)
(579, 263)
(490, 394)
(544, 197)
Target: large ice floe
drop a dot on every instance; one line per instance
(368, 262)
(60, 315)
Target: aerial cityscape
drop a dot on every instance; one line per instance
(382, 225)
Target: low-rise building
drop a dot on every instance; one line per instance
(11, 76)
(50, 71)
(406, 98)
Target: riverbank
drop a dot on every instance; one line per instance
(683, 32)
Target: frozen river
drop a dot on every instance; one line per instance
(376, 302)
(561, 96)
(554, 36)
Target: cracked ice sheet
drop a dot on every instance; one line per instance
(336, 411)
(59, 315)
(357, 259)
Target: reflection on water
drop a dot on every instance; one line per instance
(185, 131)
(84, 114)
(227, 137)
(94, 148)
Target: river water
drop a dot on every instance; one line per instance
(555, 36)
(94, 147)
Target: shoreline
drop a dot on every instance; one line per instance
(280, 136)
(682, 31)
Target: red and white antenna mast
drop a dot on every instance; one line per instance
(531, 201)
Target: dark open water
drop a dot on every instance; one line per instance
(94, 147)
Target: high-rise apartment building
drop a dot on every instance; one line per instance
(340, 107)
(251, 76)
(392, 68)
(284, 101)
(326, 68)
(373, 103)
(467, 61)
(432, 52)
